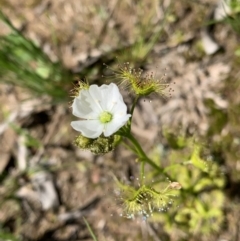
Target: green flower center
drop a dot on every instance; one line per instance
(105, 117)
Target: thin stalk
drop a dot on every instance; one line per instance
(142, 155)
(133, 106)
(90, 229)
(129, 147)
(142, 175)
(131, 112)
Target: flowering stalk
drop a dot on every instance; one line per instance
(104, 116)
(141, 154)
(142, 175)
(132, 109)
(103, 120)
(136, 147)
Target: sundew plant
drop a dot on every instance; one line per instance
(153, 158)
(105, 122)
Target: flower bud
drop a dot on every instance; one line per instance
(100, 145)
(83, 142)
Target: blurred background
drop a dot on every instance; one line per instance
(47, 185)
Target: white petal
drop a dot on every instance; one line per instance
(88, 98)
(119, 108)
(96, 96)
(92, 102)
(109, 95)
(88, 128)
(116, 96)
(115, 125)
(84, 107)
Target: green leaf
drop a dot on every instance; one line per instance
(90, 230)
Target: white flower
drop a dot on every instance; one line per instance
(103, 110)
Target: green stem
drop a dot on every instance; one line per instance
(129, 147)
(143, 157)
(133, 106)
(131, 112)
(126, 131)
(142, 176)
